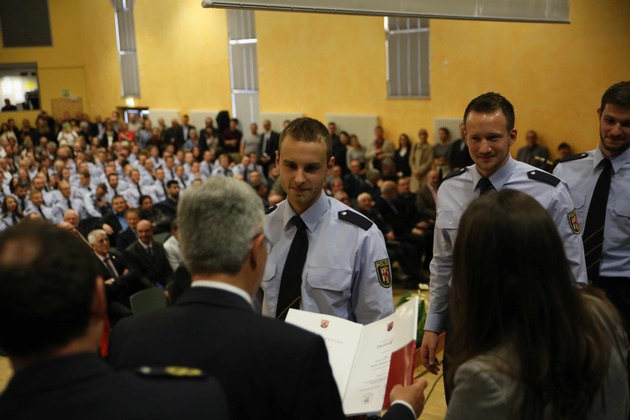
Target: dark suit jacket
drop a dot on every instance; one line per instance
(112, 219)
(459, 155)
(59, 384)
(175, 135)
(268, 369)
(395, 216)
(150, 272)
(426, 203)
(352, 184)
(272, 145)
(168, 207)
(124, 239)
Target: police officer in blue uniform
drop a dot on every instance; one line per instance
(346, 272)
(611, 269)
(490, 133)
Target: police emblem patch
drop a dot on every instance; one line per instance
(573, 222)
(384, 273)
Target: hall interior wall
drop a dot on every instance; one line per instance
(325, 64)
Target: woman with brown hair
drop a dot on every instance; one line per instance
(527, 344)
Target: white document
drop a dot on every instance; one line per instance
(360, 355)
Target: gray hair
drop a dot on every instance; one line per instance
(217, 221)
(93, 234)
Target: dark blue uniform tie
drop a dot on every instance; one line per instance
(291, 283)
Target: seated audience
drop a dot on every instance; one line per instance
(527, 343)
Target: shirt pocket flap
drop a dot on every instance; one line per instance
(447, 219)
(270, 271)
(622, 206)
(329, 278)
(579, 199)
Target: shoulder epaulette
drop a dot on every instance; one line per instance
(454, 174)
(270, 209)
(170, 372)
(573, 157)
(355, 218)
(542, 176)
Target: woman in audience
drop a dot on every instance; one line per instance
(442, 150)
(355, 151)
(527, 344)
(11, 215)
(401, 156)
(420, 160)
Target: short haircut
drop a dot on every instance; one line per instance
(93, 234)
(307, 130)
(135, 211)
(46, 305)
(490, 102)
(170, 183)
(217, 221)
(618, 94)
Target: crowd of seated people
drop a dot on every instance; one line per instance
(113, 173)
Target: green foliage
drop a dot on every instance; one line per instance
(422, 313)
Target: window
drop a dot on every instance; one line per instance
(407, 47)
(25, 23)
(18, 83)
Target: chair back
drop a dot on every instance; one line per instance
(147, 300)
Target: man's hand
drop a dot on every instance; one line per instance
(108, 229)
(412, 394)
(427, 352)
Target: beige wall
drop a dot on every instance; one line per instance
(318, 64)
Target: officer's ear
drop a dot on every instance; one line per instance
(512, 134)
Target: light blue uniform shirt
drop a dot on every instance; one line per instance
(340, 273)
(454, 196)
(582, 175)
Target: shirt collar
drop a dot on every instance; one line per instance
(499, 178)
(617, 162)
(223, 286)
(311, 216)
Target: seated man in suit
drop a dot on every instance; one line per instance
(129, 235)
(116, 218)
(169, 205)
(268, 369)
(148, 258)
(52, 307)
(120, 282)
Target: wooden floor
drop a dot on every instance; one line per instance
(435, 406)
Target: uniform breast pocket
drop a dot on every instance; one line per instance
(579, 199)
(622, 207)
(329, 286)
(270, 272)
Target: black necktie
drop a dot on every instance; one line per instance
(151, 254)
(164, 188)
(485, 186)
(593, 235)
(291, 282)
(41, 212)
(110, 267)
(69, 204)
(139, 191)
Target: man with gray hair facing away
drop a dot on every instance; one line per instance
(268, 369)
